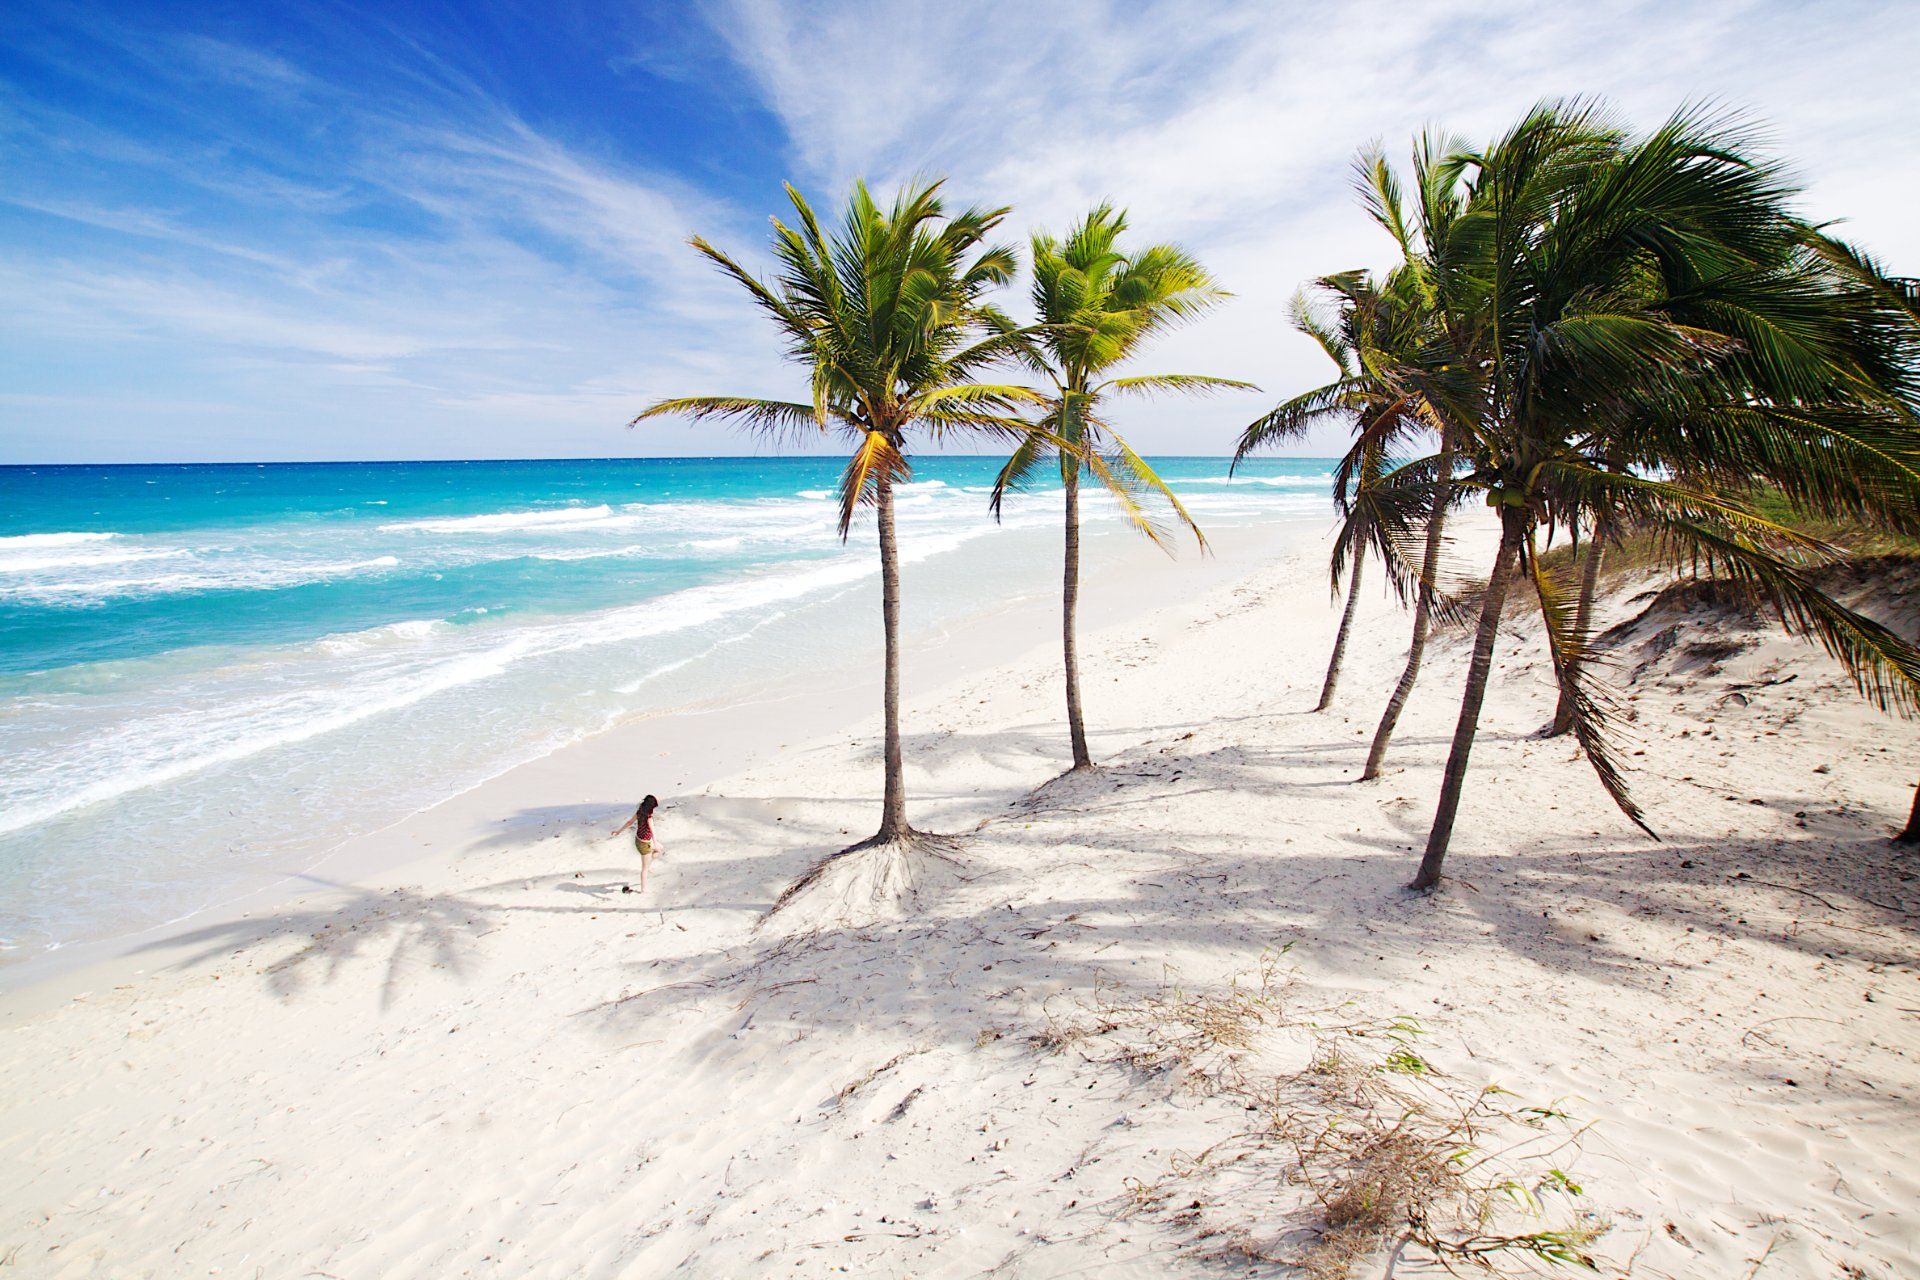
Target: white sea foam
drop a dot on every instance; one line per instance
(591, 553)
(1279, 482)
(35, 541)
(634, 686)
(412, 631)
(80, 556)
(185, 743)
(548, 520)
(815, 495)
(245, 575)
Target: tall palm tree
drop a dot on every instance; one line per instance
(1654, 324)
(1097, 307)
(889, 315)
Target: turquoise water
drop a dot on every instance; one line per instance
(203, 666)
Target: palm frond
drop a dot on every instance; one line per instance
(1883, 667)
(1021, 469)
(1770, 559)
(1308, 319)
(1145, 479)
(874, 463)
(1292, 419)
(1187, 383)
(775, 419)
(1573, 666)
(1124, 488)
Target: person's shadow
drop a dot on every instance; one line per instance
(598, 890)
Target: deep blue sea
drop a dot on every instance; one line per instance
(203, 668)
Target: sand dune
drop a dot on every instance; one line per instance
(1079, 1050)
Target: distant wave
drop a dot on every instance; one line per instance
(821, 495)
(509, 521)
(213, 577)
(1285, 482)
(25, 551)
(1248, 504)
(412, 631)
(78, 556)
(592, 553)
(35, 541)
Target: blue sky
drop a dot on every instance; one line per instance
(271, 231)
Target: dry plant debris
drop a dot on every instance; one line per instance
(1357, 1147)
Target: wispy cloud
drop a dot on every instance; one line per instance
(1232, 126)
(463, 280)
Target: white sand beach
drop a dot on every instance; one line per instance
(1059, 1058)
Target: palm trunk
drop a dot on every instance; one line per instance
(1582, 617)
(893, 818)
(1069, 613)
(1340, 640)
(1477, 672)
(1422, 619)
(1912, 834)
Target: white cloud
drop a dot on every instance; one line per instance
(1231, 126)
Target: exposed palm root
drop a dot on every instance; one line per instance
(1065, 785)
(880, 878)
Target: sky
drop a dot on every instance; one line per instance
(263, 231)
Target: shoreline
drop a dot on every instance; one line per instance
(707, 750)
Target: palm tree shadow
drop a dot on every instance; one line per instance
(402, 930)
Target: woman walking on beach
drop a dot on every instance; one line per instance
(643, 839)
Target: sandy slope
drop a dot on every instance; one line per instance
(508, 1067)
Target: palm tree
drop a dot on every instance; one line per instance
(889, 316)
(1424, 235)
(1426, 606)
(1654, 325)
(1373, 323)
(1097, 306)
(1911, 833)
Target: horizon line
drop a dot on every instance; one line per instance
(662, 457)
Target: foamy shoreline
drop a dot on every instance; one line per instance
(305, 667)
(493, 1060)
(709, 742)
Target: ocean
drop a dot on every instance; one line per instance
(207, 670)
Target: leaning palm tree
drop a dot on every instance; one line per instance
(1655, 325)
(889, 315)
(1097, 307)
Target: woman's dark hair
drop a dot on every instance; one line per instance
(648, 805)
